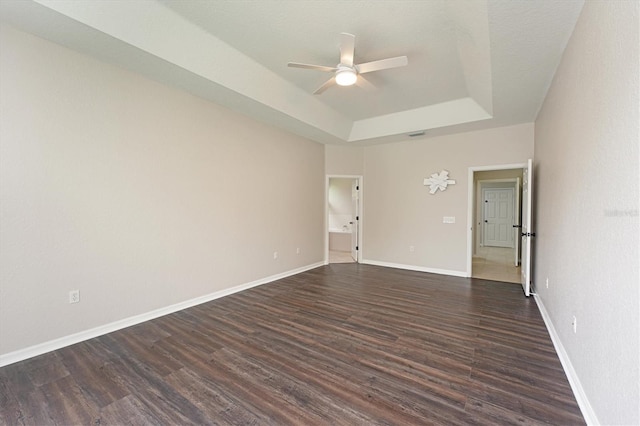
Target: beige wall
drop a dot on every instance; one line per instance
(138, 195)
(344, 160)
(399, 211)
(587, 167)
(498, 174)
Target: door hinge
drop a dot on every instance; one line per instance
(357, 188)
(357, 248)
(357, 217)
(528, 234)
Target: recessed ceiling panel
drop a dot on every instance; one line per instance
(276, 32)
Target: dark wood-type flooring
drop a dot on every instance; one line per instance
(341, 344)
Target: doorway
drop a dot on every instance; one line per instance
(496, 217)
(343, 211)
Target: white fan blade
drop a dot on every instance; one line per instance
(364, 83)
(325, 86)
(347, 48)
(311, 67)
(383, 64)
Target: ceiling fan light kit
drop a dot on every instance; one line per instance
(346, 77)
(346, 72)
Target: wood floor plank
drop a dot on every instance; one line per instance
(536, 402)
(128, 411)
(36, 409)
(92, 374)
(484, 413)
(164, 402)
(343, 344)
(10, 411)
(355, 389)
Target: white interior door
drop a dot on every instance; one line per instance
(527, 233)
(498, 217)
(516, 223)
(355, 217)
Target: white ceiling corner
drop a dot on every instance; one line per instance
(472, 64)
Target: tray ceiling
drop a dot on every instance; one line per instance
(472, 64)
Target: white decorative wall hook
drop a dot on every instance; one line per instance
(439, 181)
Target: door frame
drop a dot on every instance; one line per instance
(326, 214)
(471, 204)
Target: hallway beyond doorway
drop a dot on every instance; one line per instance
(495, 263)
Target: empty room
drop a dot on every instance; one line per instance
(319, 212)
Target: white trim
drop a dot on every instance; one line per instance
(499, 167)
(470, 204)
(52, 345)
(578, 391)
(415, 268)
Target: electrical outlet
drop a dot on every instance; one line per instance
(298, 250)
(275, 254)
(547, 282)
(74, 296)
(574, 324)
(412, 249)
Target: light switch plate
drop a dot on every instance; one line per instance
(449, 219)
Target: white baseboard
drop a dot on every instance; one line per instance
(52, 345)
(462, 274)
(581, 397)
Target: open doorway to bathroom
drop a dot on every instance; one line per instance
(496, 224)
(343, 219)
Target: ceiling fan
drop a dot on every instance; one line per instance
(346, 72)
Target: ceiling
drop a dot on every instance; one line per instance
(473, 64)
